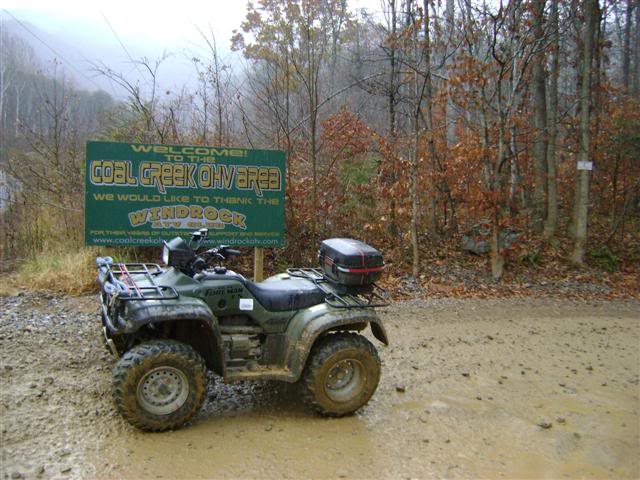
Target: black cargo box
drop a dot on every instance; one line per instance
(350, 262)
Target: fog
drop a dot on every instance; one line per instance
(80, 33)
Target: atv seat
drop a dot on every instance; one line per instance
(288, 294)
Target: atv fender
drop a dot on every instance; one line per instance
(141, 313)
(192, 320)
(309, 324)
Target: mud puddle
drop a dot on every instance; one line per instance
(492, 389)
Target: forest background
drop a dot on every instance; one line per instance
(428, 129)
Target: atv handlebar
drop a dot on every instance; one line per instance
(221, 252)
(208, 257)
(191, 258)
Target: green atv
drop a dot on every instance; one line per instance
(168, 325)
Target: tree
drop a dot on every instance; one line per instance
(539, 117)
(581, 200)
(418, 57)
(44, 167)
(450, 115)
(297, 37)
(392, 92)
(552, 125)
(215, 76)
(145, 122)
(497, 77)
(636, 55)
(626, 47)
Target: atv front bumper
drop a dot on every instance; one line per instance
(110, 343)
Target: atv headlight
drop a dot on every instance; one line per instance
(165, 254)
(177, 253)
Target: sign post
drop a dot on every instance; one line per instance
(258, 264)
(140, 194)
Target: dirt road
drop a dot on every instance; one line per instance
(494, 389)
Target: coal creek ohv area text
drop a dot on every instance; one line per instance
(202, 173)
(517, 388)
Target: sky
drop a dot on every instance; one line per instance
(138, 22)
(114, 31)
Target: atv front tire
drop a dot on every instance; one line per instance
(341, 374)
(159, 385)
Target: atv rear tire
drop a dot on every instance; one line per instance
(159, 385)
(341, 374)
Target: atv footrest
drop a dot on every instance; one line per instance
(341, 296)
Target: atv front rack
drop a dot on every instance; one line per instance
(369, 297)
(117, 281)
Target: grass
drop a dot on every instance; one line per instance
(69, 273)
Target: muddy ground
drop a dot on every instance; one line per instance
(536, 388)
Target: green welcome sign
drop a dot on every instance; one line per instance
(141, 194)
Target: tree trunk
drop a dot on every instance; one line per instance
(312, 72)
(636, 54)
(449, 111)
(539, 120)
(427, 92)
(582, 191)
(392, 100)
(552, 126)
(626, 51)
(578, 25)
(314, 167)
(515, 177)
(415, 246)
(417, 103)
(497, 259)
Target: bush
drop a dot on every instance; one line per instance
(605, 259)
(532, 259)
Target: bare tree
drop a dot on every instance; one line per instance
(636, 54)
(389, 88)
(581, 200)
(552, 124)
(143, 104)
(539, 118)
(216, 73)
(626, 46)
(507, 54)
(450, 114)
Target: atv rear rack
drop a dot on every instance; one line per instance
(117, 281)
(369, 297)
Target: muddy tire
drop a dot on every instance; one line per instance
(159, 385)
(341, 375)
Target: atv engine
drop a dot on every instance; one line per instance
(242, 340)
(243, 346)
